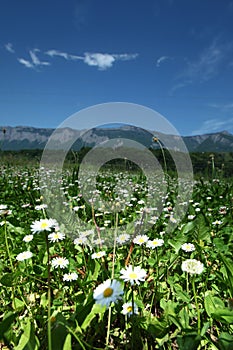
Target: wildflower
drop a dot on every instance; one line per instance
(28, 238)
(41, 207)
(124, 237)
(108, 292)
(71, 276)
(80, 240)
(128, 309)
(141, 239)
(192, 266)
(133, 274)
(217, 222)
(157, 242)
(24, 256)
(56, 236)
(191, 217)
(60, 262)
(188, 247)
(43, 225)
(98, 255)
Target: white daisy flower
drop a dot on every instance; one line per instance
(98, 255)
(24, 256)
(43, 225)
(191, 217)
(140, 239)
(133, 274)
(124, 237)
(157, 242)
(71, 276)
(41, 207)
(80, 240)
(60, 262)
(28, 238)
(56, 236)
(128, 309)
(192, 266)
(108, 292)
(217, 222)
(188, 247)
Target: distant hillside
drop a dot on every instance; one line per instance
(22, 137)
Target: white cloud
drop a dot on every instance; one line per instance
(102, 61)
(35, 59)
(9, 48)
(26, 63)
(160, 60)
(214, 125)
(66, 56)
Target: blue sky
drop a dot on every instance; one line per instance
(174, 56)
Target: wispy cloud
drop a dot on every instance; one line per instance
(35, 61)
(26, 63)
(214, 125)
(102, 61)
(65, 55)
(207, 65)
(160, 60)
(9, 48)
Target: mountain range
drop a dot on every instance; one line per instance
(25, 137)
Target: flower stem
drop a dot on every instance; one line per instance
(197, 307)
(9, 257)
(49, 296)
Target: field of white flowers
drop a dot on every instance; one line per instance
(107, 281)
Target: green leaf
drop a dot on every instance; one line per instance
(228, 265)
(8, 279)
(6, 323)
(225, 341)
(18, 304)
(25, 337)
(212, 303)
(96, 309)
(188, 341)
(67, 344)
(224, 315)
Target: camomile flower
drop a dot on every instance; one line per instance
(192, 266)
(122, 238)
(41, 207)
(71, 276)
(80, 240)
(108, 292)
(133, 274)
(28, 238)
(140, 239)
(43, 225)
(56, 236)
(157, 242)
(60, 262)
(128, 309)
(24, 256)
(188, 247)
(217, 222)
(98, 255)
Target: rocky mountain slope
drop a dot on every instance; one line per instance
(23, 137)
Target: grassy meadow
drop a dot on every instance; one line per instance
(67, 287)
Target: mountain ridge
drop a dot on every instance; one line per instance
(27, 137)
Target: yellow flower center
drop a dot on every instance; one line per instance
(108, 292)
(44, 225)
(133, 275)
(129, 308)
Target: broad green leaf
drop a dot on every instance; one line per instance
(96, 309)
(224, 315)
(6, 323)
(212, 303)
(17, 304)
(225, 341)
(25, 337)
(67, 344)
(188, 341)
(8, 279)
